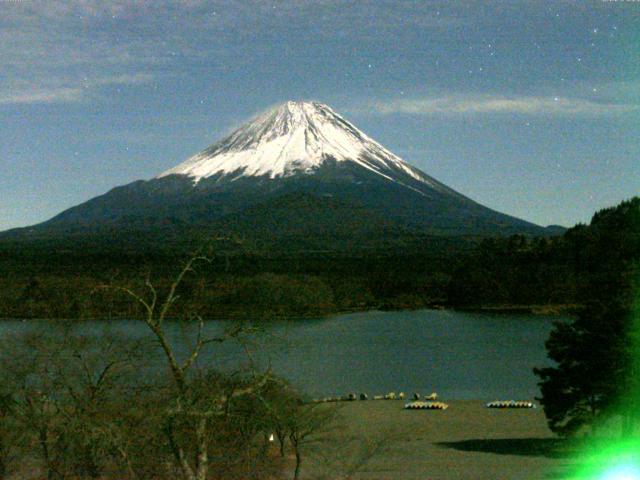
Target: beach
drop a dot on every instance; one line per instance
(467, 441)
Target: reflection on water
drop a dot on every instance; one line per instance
(459, 355)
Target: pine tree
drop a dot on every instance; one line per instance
(596, 354)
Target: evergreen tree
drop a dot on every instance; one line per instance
(596, 353)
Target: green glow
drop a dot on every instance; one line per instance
(611, 461)
(622, 472)
(609, 456)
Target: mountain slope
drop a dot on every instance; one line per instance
(297, 155)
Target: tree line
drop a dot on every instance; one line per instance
(516, 271)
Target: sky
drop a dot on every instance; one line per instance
(528, 107)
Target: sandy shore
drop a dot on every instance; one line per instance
(466, 441)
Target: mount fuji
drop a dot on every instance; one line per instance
(299, 172)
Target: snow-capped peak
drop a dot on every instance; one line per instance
(295, 137)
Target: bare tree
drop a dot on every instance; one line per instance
(188, 420)
(362, 454)
(69, 397)
(307, 425)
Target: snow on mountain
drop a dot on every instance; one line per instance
(296, 138)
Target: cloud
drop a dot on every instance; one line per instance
(50, 45)
(125, 79)
(55, 52)
(42, 96)
(63, 89)
(496, 104)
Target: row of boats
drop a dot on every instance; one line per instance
(419, 405)
(510, 404)
(428, 402)
(363, 396)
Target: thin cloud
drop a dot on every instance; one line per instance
(486, 104)
(125, 79)
(65, 89)
(59, 95)
(45, 43)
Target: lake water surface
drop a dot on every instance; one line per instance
(457, 354)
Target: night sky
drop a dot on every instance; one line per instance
(529, 107)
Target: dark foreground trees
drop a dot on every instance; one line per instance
(597, 354)
(90, 406)
(76, 403)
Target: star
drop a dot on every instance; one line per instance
(595, 30)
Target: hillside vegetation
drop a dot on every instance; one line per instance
(54, 278)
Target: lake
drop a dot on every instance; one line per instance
(460, 355)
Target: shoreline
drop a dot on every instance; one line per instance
(546, 310)
(536, 310)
